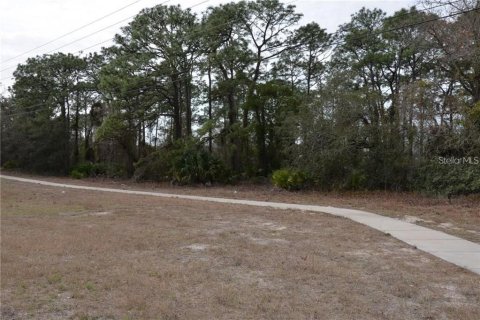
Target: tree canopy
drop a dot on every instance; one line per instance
(242, 90)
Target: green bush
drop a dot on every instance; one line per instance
(191, 163)
(109, 170)
(10, 164)
(87, 169)
(155, 167)
(289, 179)
(356, 180)
(448, 180)
(280, 178)
(77, 174)
(185, 162)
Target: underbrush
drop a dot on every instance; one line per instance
(185, 162)
(88, 169)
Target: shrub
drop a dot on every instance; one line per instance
(87, 169)
(77, 174)
(280, 178)
(289, 179)
(10, 164)
(356, 180)
(449, 180)
(156, 166)
(185, 162)
(109, 170)
(191, 163)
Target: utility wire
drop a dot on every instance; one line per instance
(123, 20)
(136, 89)
(363, 36)
(99, 30)
(84, 37)
(217, 26)
(341, 41)
(110, 39)
(75, 30)
(384, 31)
(105, 41)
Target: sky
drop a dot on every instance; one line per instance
(27, 24)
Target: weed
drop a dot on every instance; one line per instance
(54, 278)
(89, 286)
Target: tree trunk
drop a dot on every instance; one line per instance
(177, 116)
(210, 138)
(65, 111)
(188, 106)
(76, 151)
(309, 72)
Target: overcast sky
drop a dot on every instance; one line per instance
(26, 24)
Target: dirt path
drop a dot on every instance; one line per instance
(455, 250)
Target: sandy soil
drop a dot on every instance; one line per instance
(73, 254)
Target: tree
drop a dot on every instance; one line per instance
(166, 42)
(314, 42)
(268, 24)
(45, 94)
(245, 85)
(227, 59)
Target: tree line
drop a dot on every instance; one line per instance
(242, 90)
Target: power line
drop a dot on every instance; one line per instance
(108, 40)
(363, 36)
(156, 85)
(89, 35)
(100, 30)
(408, 25)
(84, 37)
(398, 28)
(105, 41)
(75, 30)
(94, 45)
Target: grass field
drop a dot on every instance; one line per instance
(72, 254)
(459, 216)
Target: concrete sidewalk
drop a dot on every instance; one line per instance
(460, 252)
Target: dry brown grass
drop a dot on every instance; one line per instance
(86, 255)
(459, 217)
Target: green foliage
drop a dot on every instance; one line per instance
(77, 174)
(474, 114)
(87, 169)
(360, 117)
(10, 164)
(289, 179)
(280, 178)
(449, 179)
(191, 163)
(156, 166)
(110, 170)
(112, 128)
(356, 181)
(83, 170)
(45, 101)
(185, 162)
